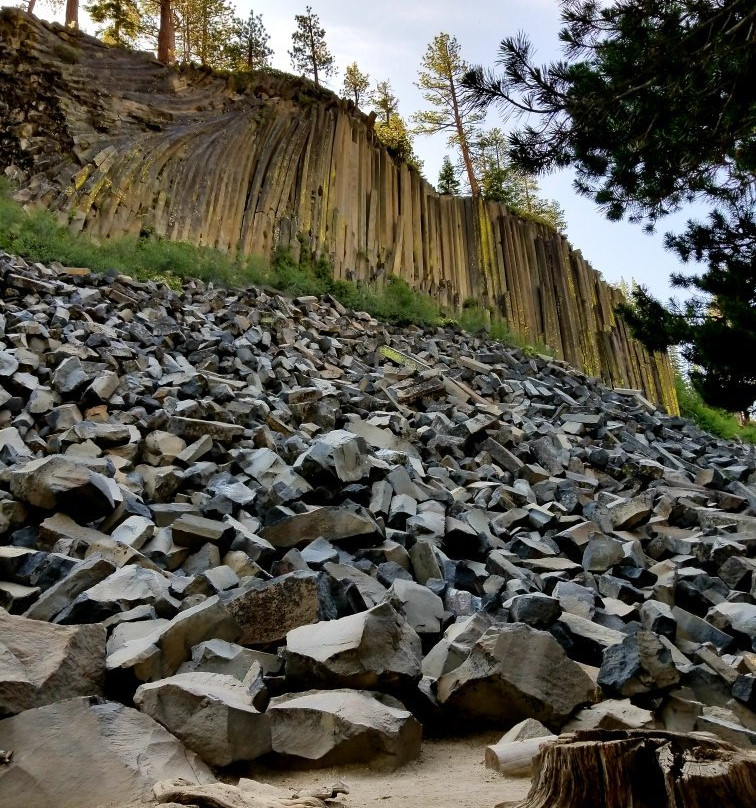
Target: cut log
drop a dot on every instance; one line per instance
(641, 769)
(515, 758)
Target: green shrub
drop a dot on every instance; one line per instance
(474, 319)
(66, 54)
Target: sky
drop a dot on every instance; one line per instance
(388, 38)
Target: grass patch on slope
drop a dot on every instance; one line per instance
(474, 318)
(718, 422)
(38, 236)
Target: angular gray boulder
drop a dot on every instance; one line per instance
(421, 608)
(42, 663)
(375, 649)
(266, 610)
(86, 753)
(83, 575)
(161, 651)
(339, 454)
(641, 663)
(211, 713)
(331, 523)
(124, 589)
(515, 672)
(57, 482)
(335, 727)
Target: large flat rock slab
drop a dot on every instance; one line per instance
(82, 753)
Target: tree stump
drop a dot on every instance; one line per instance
(641, 769)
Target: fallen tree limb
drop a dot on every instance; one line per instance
(220, 795)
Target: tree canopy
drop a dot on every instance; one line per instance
(122, 19)
(654, 106)
(440, 82)
(189, 30)
(356, 83)
(248, 48)
(394, 135)
(309, 52)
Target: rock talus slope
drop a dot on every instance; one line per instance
(214, 501)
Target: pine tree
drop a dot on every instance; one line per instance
(309, 52)
(654, 106)
(384, 101)
(440, 82)
(248, 48)
(447, 178)
(356, 83)
(396, 138)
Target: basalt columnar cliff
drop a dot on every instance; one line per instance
(119, 143)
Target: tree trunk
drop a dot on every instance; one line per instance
(464, 146)
(166, 35)
(314, 57)
(72, 14)
(641, 769)
(30, 6)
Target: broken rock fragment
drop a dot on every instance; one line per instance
(515, 672)
(331, 523)
(58, 483)
(335, 727)
(638, 664)
(266, 611)
(211, 713)
(375, 649)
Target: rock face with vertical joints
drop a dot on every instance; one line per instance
(312, 165)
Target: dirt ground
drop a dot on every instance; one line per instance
(449, 773)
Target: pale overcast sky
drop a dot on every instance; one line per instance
(387, 39)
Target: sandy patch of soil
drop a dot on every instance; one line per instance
(449, 773)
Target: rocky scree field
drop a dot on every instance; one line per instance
(237, 527)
